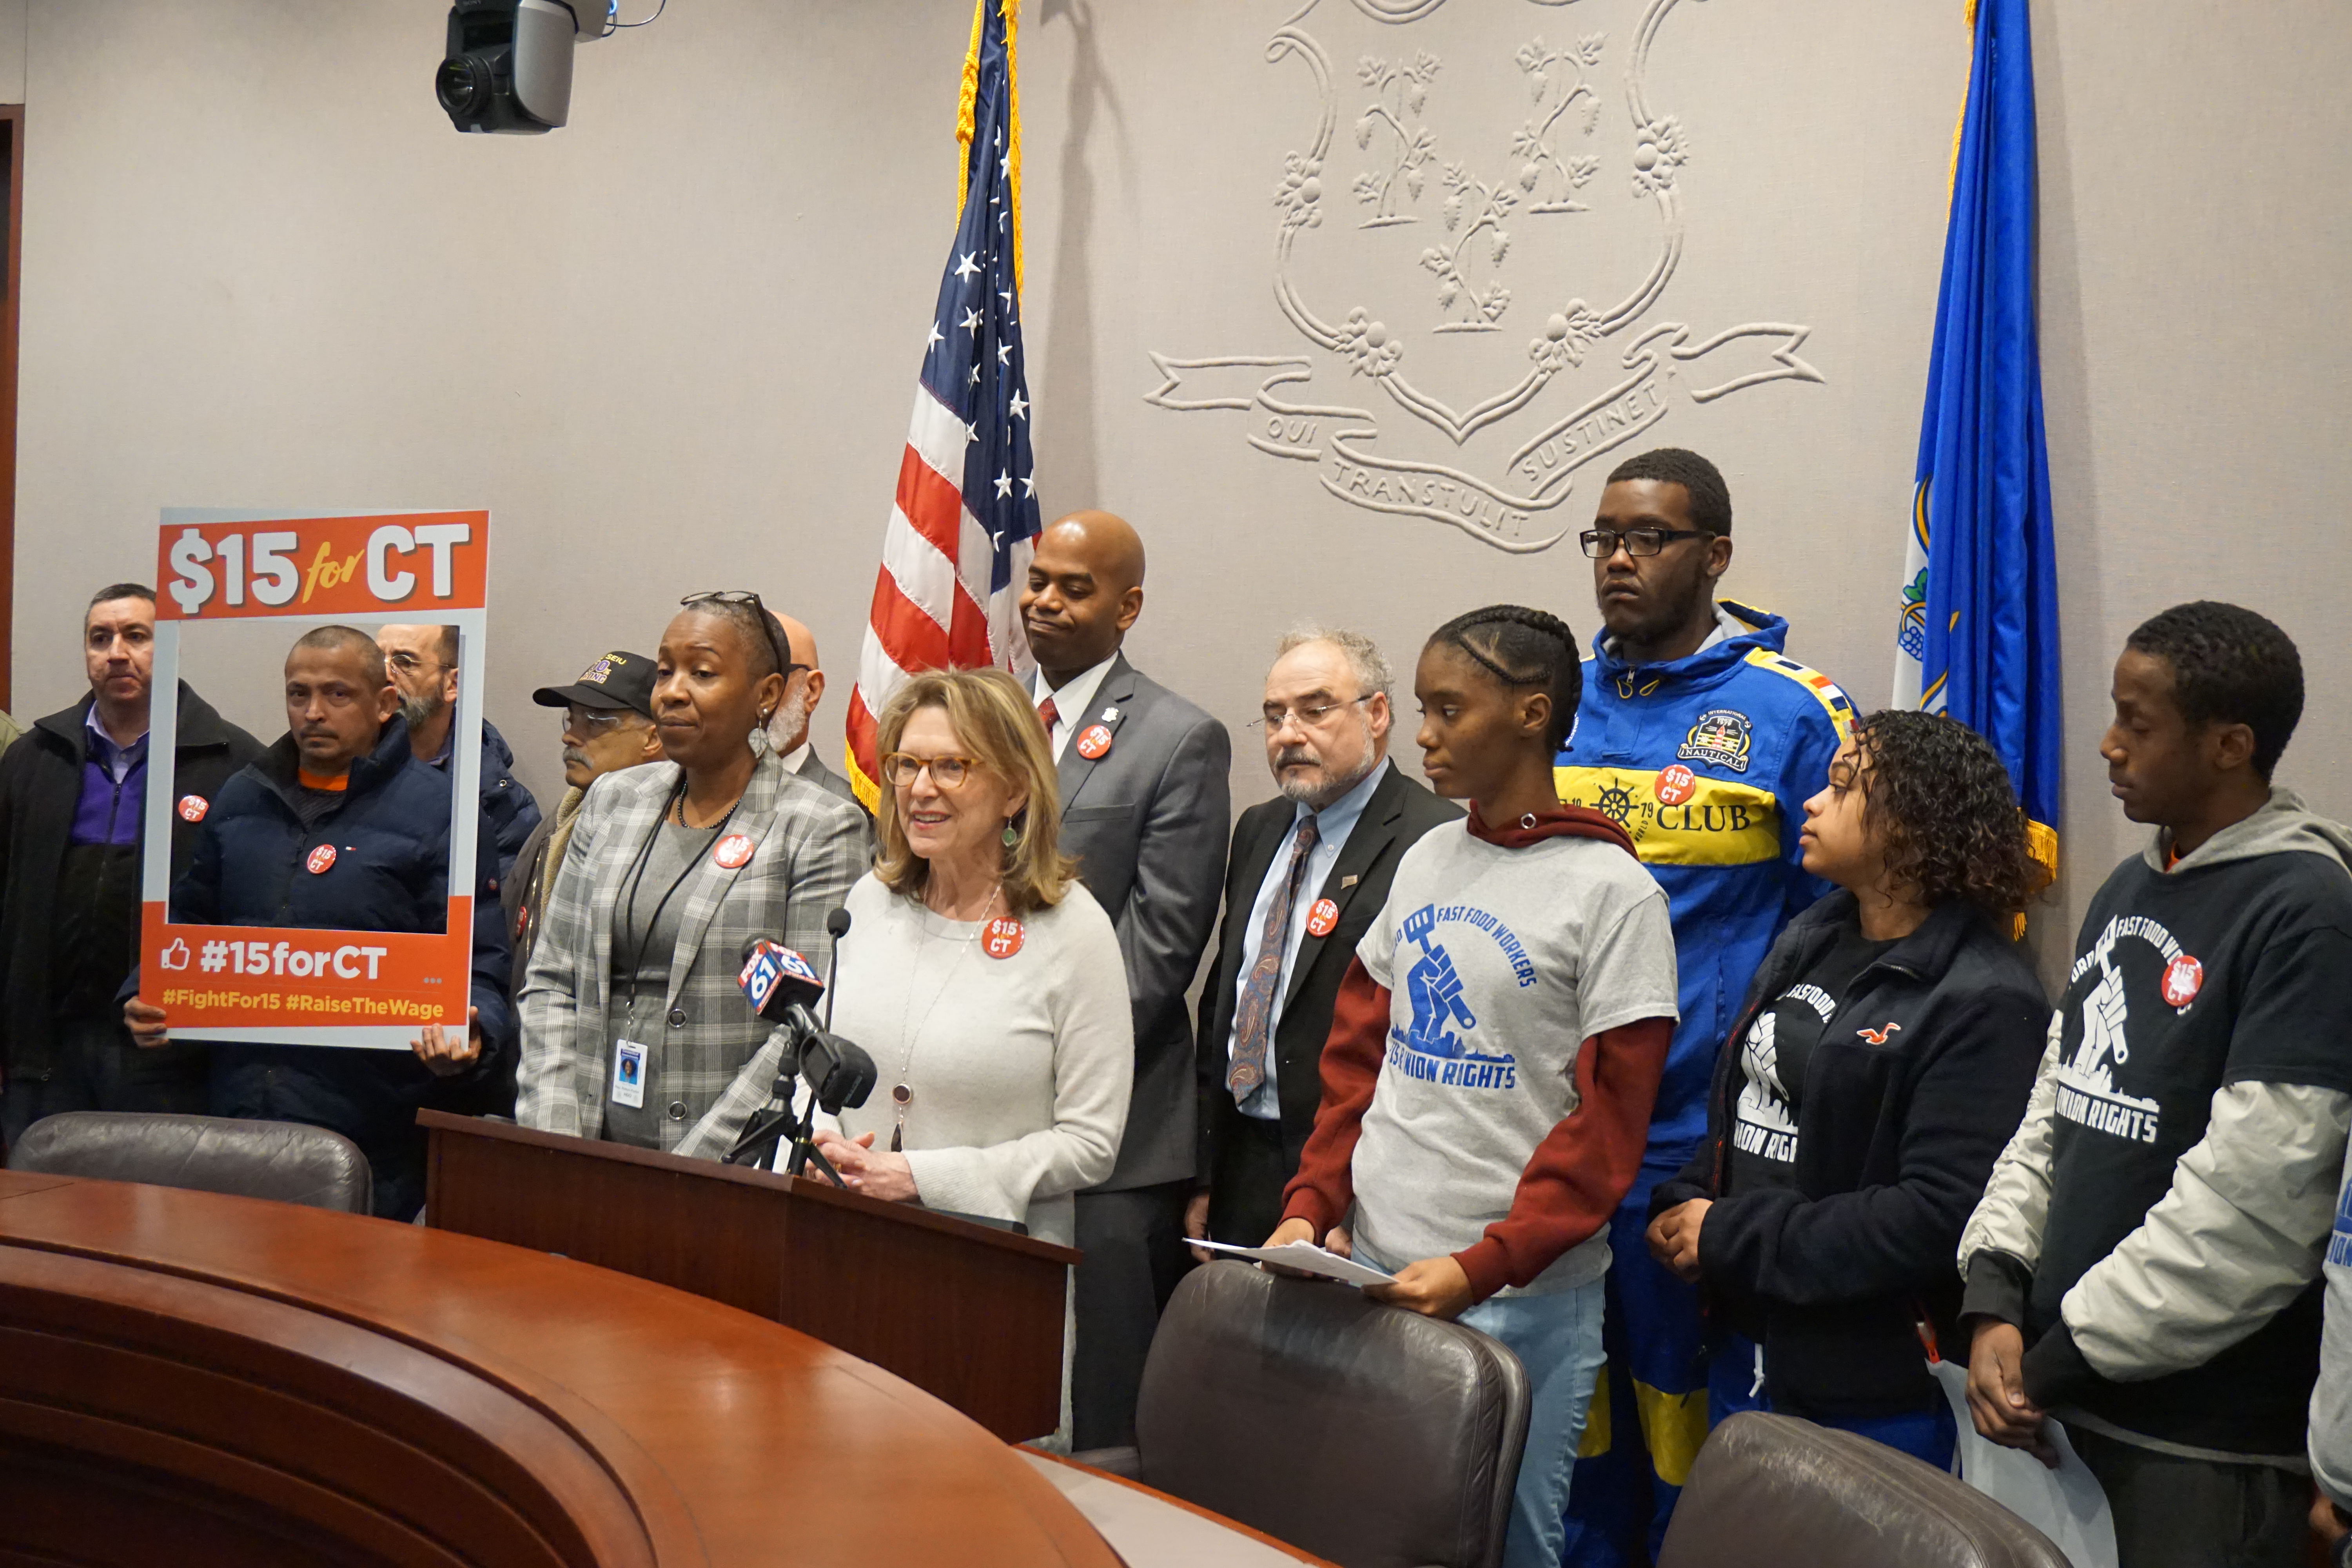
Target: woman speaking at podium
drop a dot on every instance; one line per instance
(982, 976)
(633, 1026)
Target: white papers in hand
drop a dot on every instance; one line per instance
(2064, 1504)
(1306, 1258)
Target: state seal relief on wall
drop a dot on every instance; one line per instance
(1487, 237)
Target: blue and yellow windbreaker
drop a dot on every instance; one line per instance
(1707, 762)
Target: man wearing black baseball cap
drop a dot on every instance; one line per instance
(608, 725)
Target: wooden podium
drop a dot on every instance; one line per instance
(969, 1314)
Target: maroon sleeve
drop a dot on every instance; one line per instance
(1324, 1185)
(1583, 1168)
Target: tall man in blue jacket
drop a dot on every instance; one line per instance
(1701, 739)
(341, 826)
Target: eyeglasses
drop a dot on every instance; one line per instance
(1308, 718)
(902, 769)
(588, 721)
(1600, 543)
(785, 665)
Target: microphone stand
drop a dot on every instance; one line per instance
(768, 1129)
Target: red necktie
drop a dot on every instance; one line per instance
(1048, 715)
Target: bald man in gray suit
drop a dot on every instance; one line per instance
(1145, 812)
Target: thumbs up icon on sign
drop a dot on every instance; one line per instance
(174, 956)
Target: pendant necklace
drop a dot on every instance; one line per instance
(902, 1093)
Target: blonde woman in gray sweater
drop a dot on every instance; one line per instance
(984, 978)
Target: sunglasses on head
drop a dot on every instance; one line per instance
(785, 665)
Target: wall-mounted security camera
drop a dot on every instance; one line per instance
(510, 63)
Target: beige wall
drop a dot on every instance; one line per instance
(673, 347)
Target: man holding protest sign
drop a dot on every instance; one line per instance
(338, 826)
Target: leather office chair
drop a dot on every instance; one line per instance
(282, 1160)
(1770, 1490)
(1371, 1436)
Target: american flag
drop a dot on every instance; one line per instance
(957, 544)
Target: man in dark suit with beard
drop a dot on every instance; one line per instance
(1145, 809)
(1309, 870)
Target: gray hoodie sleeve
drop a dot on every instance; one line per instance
(2331, 1400)
(2016, 1203)
(2239, 1236)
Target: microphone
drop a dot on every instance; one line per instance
(839, 1072)
(779, 985)
(837, 926)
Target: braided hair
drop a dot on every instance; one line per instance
(1520, 647)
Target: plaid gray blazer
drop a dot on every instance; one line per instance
(809, 845)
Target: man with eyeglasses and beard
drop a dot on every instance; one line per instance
(423, 661)
(1700, 738)
(1308, 871)
(608, 725)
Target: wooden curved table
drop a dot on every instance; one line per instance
(195, 1379)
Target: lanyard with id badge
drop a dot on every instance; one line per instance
(629, 1057)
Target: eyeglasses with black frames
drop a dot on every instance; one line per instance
(1600, 543)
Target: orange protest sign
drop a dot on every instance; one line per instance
(423, 564)
(289, 985)
(233, 977)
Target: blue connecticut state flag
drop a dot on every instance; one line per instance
(1979, 637)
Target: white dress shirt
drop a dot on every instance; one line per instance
(1333, 825)
(1071, 700)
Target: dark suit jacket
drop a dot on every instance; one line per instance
(1146, 821)
(813, 769)
(1399, 812)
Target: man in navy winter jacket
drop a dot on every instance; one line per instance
(423, 663)
(340, 826)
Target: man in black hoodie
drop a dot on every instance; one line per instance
(2145, 1263)
(71, 798)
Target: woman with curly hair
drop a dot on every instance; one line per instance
(1881, 1062)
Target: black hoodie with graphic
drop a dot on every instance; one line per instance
(2157, 1227)
(1915, 1065)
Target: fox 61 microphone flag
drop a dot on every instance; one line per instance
(774, 975)
(283, 985)
(957, 546)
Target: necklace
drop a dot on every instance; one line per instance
(902, 1093)
(678, 805)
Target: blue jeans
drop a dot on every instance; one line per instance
(1557, 1337)
(1735, 1382)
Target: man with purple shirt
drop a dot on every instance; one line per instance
(71, 795)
